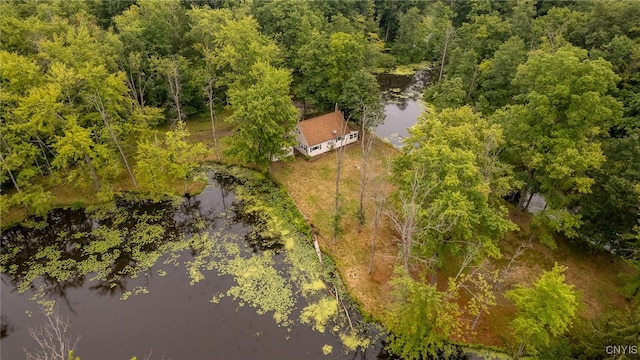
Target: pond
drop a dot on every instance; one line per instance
(401, 96)
(225, 274)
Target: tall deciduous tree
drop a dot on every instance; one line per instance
(445, 176)
(497, 73)
(326, 64)
(446, 93)
(153, 27)
(77, 147)
(205, 24)
(162, 163)
(552, 134)
(289, 22)
(420, 319)
(544, 310)
(173, 69)
(361, 98)
(413, 38)
(612, 210)
(263, 116)
(238, 45)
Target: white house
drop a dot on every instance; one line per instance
(320, 134)
(289, 152)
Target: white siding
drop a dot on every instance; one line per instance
(286, 155)
(301, 142)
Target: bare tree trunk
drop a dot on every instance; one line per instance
(407, 222)
(336, 209)
(141, 88)
(520, 350)
(376, 221)
(380, 200)
(92, 170)
(97, 100)
(386, 33)
(366, 151)
(475, 321)
(523, 192)
(13, 179)
(132, 87)
(212, 114)
(379, 193)
(35, 158)
(44, 153)
(448, 33)
(406, 253)
(523, 195)
(135, 81)
(176, 92)
(174, 86)
(473, 81)
(526, 207)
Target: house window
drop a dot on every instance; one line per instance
(317, 147)
(298, 130)
(353, 136)
(303, 146)
(339, 138)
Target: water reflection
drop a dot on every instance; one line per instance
(401, 96)
(147, 253)
(114, 244)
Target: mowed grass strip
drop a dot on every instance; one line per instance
(311, 184)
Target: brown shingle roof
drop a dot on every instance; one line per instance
(320, 129)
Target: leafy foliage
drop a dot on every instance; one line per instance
(264, 116)
(433, 318)
(448, 170)
(161, 163)
(77, 147)
(544, 310)
(564, 106)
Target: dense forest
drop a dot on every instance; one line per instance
(528, 97)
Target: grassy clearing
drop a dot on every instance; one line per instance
(311, 184)
(596, 277)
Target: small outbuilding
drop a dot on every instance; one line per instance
(320, 134)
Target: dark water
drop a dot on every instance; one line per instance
(401, 95)
(169, 319)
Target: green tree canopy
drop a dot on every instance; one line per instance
(449, 168)
(326, 64)
(289, 22)
(412, 41)
(263, 116)
(161, 164)
(77, 147)
(420, 319)
(564, 107)
(544, 310)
